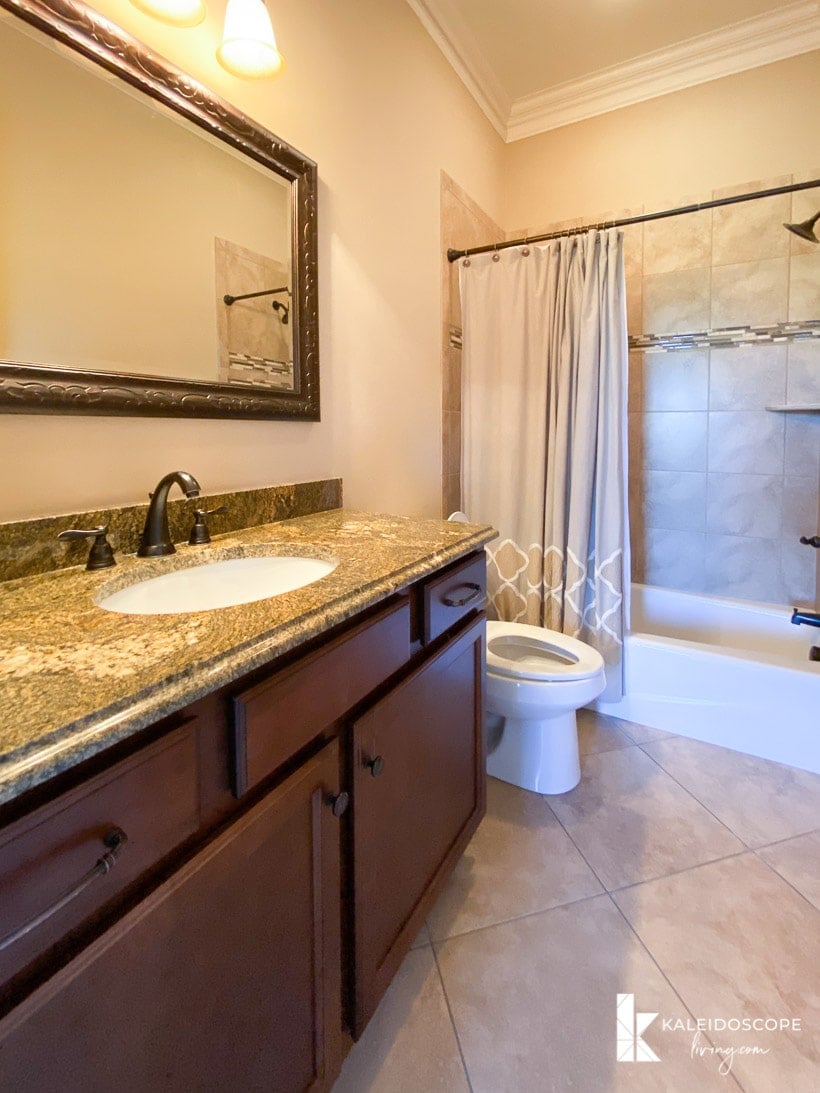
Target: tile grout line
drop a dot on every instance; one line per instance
(663, 974)
(519, 918)
(453, 1024)
(679, 872)
(785, 880)
(697, 800)
(788, 839)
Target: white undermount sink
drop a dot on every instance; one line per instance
(215, 584)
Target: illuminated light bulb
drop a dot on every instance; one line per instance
(248, 45)
(178, 13)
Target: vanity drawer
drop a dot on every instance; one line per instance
(278, 717)
(152, 798)
(452, 596)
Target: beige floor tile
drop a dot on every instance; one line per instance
(519, 861)
(760, 801)
(632, 822)
(735, 941)
(599, 732)
(798, 862)
(641, 734)
(534, 1005)
(409, 1044)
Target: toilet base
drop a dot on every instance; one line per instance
(541, 756)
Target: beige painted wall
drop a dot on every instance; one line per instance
(754, 125)
(368, 95)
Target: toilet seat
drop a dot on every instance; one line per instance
(519, 651)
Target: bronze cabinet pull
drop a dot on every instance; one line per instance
(472, 596)
(115, 840)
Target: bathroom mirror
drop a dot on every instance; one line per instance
(158, 249)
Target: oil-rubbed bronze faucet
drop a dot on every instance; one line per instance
(156, 538)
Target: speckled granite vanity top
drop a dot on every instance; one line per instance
(75, 679)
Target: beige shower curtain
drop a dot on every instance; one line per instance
(544, 427)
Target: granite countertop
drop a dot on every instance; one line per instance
(76, 679)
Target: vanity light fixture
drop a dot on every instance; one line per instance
(248, 46)
(177, 13)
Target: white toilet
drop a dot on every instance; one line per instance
(536, 680)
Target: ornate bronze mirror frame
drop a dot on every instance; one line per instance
(40, 389)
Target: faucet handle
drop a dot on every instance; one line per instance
(101, 555)
(199, 532)
(813, 541)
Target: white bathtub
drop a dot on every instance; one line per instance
(723, 671)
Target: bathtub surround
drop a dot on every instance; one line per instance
(545, 430)
(28, 547)
(721, 485)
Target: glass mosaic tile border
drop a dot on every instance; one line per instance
(726, 337)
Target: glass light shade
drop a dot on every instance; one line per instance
(248, 45)
(179, 13)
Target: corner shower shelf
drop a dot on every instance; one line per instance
(796, 408)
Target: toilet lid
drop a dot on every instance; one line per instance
(532, 652)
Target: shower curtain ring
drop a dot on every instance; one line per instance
(496, 255)
(525, 250)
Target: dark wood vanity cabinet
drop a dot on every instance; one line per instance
(226, 977)
(418, 793)
(350, 780)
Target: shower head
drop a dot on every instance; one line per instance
(806, 229)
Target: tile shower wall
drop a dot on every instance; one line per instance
(721, 488)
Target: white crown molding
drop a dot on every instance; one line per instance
(754, 42)
(761, 40)
(457, 42)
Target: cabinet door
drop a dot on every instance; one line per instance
(225, 978)
(418, 796)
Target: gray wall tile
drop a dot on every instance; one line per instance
(751, 231)
(800, 503)
(675, 500)
(802, 444)
(675, 441)
(675, 559)
(676, 381)
(674, 303)
(746, 442)
(798, 575)
(750, 294)
(747, 377)
(804, 371)
(681, 242)
(804, 286)
(745, 504)
(745, 569)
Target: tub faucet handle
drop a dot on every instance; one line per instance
(813, 540)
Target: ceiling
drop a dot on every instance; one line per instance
(533, 65)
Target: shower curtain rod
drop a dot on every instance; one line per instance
(453, 255)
